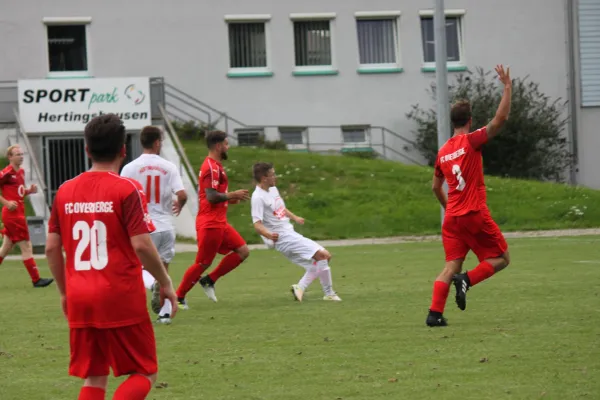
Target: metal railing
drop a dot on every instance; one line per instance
(182, 107)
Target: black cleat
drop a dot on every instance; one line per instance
(462, 285)
(164, 319)
(209, 287)
(43, 282)
(435, 319)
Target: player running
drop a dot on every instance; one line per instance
(162, 180)
(468, 224)
(98, 217)
(214, 234)
(271, 220)
(16, 231)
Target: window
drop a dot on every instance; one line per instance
(378, 40)
(248, 43)
(292, 136)
(354, 134)
(453, 37)
(313, 43)
(68, 44)
(248, 137)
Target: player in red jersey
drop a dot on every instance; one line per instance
(468, 224)
(99, 219)
(213, 232)
(15, 231)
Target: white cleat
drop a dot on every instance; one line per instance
(297, 292)
(209, 288)
(332, 297)
(164, 319)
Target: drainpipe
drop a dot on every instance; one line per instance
(572, 89)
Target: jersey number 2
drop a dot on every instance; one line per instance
(458, 173)
(96, 236)
(156, 189)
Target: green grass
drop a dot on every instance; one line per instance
(348, 197)
(528, 333)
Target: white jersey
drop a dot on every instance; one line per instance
(269, 208)
(161, 180)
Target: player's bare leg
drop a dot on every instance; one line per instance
(94, 388)
(230, 262)
(486, 269)
(441, 288)
(29, 262)
(136, 387)
(7, 246)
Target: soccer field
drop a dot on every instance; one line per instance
(530, 332)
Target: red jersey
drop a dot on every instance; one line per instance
(96, 214)
(459, 161)
(12, 184)
(212, 175)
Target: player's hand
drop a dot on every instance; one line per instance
(503, 76)
(12, 205)
(63, 303)
(299, 220)
(176, 208)
(241, 195)
(170, 294)
(274, 237)
(33, 188)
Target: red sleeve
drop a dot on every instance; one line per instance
(54, 223)
(133, 214)
(438, 169)
(209, 177)
(3, 177)
(478, 138)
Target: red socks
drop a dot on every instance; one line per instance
(440, 294)
(32, 269)
(91, 393)
(136, 387)
(483, 271)
(190, 278)
(227, 264)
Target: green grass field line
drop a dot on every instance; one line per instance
(347, 197)
(527, 333)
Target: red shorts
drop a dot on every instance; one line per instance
(127, 350)
(475, 231)
(216, 240)
(16, 229)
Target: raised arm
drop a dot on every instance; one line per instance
(294, 217)
(504, 108)
(215, 197)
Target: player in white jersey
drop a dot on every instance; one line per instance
(271, 220)
(161, 180)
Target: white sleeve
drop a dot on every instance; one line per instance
(258, 209)
(176, 182)
(126, 171)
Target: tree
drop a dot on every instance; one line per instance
(530, 145)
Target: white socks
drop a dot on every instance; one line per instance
(148, 279)
(310, 275)
(167, 308)
(322, 271)
(326, 281)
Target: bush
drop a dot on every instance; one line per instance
(191, 130)
(367, 154)
(271, 144)
(530, 145)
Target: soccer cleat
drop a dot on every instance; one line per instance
(297, 292)
(164, 319)
(332, 297)
(462, 285)
(155, 302)
(43, 282)
(209, 287)
(183, 305)
(436, 319)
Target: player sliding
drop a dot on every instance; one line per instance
(98, 217)
(272, 221)
(162, 180)
(468, 224)
(12, 183)
(214, 234)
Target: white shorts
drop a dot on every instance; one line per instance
(165, 244)
(297, 248)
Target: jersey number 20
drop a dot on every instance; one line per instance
(156, 189)
(94, 236)
(458, 173)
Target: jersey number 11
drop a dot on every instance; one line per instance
(156, 189)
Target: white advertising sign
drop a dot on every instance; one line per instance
(66, 105)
